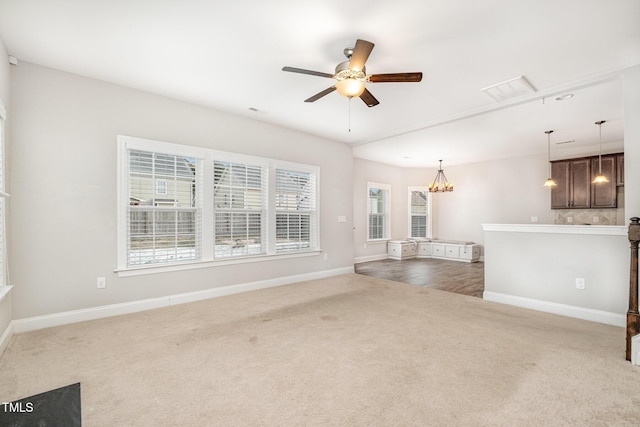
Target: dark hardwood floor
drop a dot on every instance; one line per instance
(453, 276)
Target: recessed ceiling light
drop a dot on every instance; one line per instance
(564, 97)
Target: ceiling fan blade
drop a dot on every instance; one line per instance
(369, 99)
(310, 72)
(319, 95)
(361, 53)
(395, 77)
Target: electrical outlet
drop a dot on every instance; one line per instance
(534, 219)
(101, 282)
(570, 219)
(579, 283)
(596, 219)
(326, 256)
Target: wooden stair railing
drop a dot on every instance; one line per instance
(633, 317)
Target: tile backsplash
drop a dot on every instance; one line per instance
(586, 216)
(610, 216)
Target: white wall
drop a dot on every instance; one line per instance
(63, 207)
(399, 179)
(537, 268)
(502, 191)
(632, 141)
(4, 75)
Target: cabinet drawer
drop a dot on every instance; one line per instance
(452, 251)
(470, 252)
(424, 249)
(437, 250)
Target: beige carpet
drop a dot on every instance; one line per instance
(345, 351)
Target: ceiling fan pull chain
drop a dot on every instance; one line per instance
(349, 114)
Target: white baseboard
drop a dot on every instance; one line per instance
(6, 337)
(635, 350)
(74, 316)
(385, 256)
(370, 258)
(599, 316)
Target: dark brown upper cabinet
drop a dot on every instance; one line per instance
(575, 190)
(574, 185)
(603, 195)
(620, 169)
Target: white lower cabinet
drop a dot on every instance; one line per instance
(424, 249)
(470, 252)
(452, 251)
(455, 251)
(402, 249)
(437, 250)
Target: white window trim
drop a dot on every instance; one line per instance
(5, 286)
(207, 250)
(387, 213)
(425, 189)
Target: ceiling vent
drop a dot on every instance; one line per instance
(510, 89)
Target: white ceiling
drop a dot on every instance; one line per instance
(228, 55)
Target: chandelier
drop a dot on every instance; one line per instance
(440, 183)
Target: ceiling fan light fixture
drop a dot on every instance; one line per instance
(350, 82)
(350, 87)
(351, 75)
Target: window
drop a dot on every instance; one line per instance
(419, 209)
(162, 229)
(181, 204)
(161, 187)
(239, 209)
(296, 216)
(378, 223)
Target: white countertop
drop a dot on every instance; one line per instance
(610, 230)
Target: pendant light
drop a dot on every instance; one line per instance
(440, 183)
(549, 182)
(600, 178)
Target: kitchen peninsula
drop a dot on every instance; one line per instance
(574, 270)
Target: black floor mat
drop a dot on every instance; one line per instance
(59, 407)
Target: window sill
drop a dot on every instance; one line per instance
(152, 269)
(4, 291)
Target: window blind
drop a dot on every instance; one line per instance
(378, 213)
(239, 209)
(179, 204)
(164, 209)
(418, 208)
(296, 211)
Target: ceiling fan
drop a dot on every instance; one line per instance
(351, 75)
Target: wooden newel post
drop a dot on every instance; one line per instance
(633, 317)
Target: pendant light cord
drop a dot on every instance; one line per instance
(600, 148)
(549, 150)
